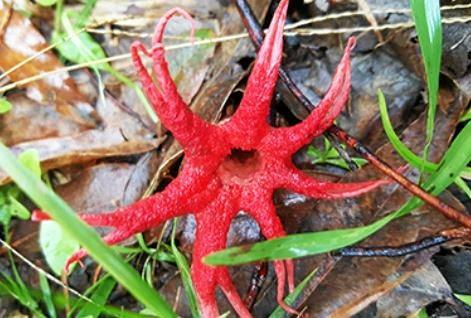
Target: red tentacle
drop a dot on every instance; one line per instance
(301, 183)
(188, 128)
(211, 235)
(147, 83)
(192, 189)
(249, 123)
(323, 116)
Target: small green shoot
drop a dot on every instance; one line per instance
(406, 153)
(15, 287)
(47, 296)
(99, 297)
(428, 24)
(330, 155)
(184, 269)
(10, 195)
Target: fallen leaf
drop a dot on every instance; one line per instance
(83, 147)
(28, 120)
(20, 41)
(424, 286)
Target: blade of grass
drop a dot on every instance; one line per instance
(289, 300)
(184, 269)
(464, 298)
(406, 153)
(15, 289)
(87, 237)
(422, 313)
(47, 296)
(99, 297)
(428, 24)
(299, 245)
(466, 116)
(60, 302)
(296, 245)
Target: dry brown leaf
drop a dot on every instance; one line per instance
(20, 41)
(27, 120)
(83, 147)
(424, 286)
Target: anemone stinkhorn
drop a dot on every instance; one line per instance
(229, 167)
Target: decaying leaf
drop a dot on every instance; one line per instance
(28, 120)
(20, 41)
(86, 146)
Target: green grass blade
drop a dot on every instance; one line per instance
(289, 300)
(464, 298)
(460, 183)
(99, 297)
(426, 14)
(398, 145)
(406, 153)
(86, 236)
(47, 296)
(422, 313)
(184, 269)
(296, 245)
(453, 163)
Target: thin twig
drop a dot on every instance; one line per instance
(256, 282)
(116, 58)
(36, 55)
(391, 26)
(123, 20)
(405, 249)
(347, 14)
(363, 5)
(256, 35)
(300, 32)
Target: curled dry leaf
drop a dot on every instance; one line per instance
(20, 41)
(86, 146)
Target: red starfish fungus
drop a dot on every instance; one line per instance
(229, 167)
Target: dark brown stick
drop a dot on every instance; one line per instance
(405, 249)
(256, 282)
(256, 35)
